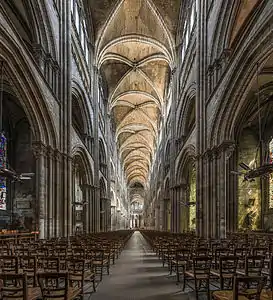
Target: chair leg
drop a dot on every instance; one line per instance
(94, 285)
(177, 273)
(101, 271)
(184, 282)
(196, 288)
(221, 282)
(208, 291)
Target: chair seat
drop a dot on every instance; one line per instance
(197, 276)
(266, 295)
(78, 276)
(100, 262)
(179, 262)
(226, 295)
(34, 293)
(266, 271)
(240, 272)
(224, 275)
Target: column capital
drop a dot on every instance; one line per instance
(57, 155)
(39, 149)
(50, 152)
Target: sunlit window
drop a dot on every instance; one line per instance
(192, 18)
(78, 18)
(72, 6)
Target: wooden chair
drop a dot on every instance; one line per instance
(219, 252)
(56, 286)
(49, 264)
(81, 273)
(227, 270)
(253, 266)
(244, 288)
(14, 286)
(8, 263)
(100, 261)
(181, 262)
(200, 274)
(28, 265)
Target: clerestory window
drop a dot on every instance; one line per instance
(79, 21)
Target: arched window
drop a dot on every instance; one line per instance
(189, 22)
(79, 20)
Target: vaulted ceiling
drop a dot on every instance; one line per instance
(135, 54)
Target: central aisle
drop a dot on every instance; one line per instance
(138, 274)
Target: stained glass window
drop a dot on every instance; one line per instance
(271, 175)
(3, 164)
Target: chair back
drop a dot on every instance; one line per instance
(228, 265)
(54, 285)
(49, 264)
(254, 265)
(14, 286)
(248, 286)
(8, 263)
(201, 265)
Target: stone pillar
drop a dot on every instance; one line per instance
(58, 217)
(162, 209)
(113, 218)
(214, 232)
(184, 209)
(226, 150)
(86, 203)
(175, 207)
(107, 214)
(201, 97)
(50, 193)
(39, 151)
(65, 114)
(95, 209)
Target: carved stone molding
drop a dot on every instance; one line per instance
(57, 155)
(39, 149)
(50, 152)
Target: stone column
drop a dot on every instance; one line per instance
(65, 113)
(113, 218)
(107, 214)
(226, 150)
(95, 210)
(201, 97)
(214, 232)
(58, 217)
(86, 203)
(162, 214)
(39, 151)
(50, 193)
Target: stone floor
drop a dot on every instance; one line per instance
(138, 274)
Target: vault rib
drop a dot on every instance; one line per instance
(139, 39)
(127, 93)
(152, 123)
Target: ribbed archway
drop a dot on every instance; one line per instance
(135, 53)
